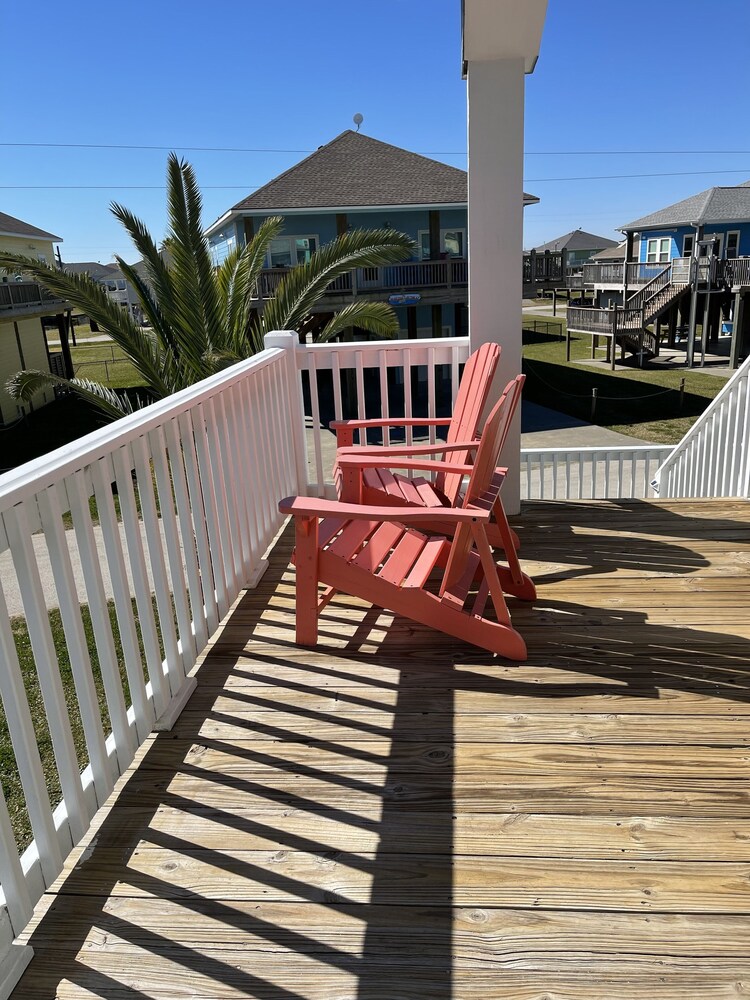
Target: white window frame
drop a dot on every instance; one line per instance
(448, 229)
(658, 259)
(685, 238)
(294, 236)
(733, 232)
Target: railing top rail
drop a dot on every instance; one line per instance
(420, 351)
(30, 478)
(635, 449)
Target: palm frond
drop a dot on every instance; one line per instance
(374, 317)
(238, 278)
(302, 287)
(91, 298)
(26, 384)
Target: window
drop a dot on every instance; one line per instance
(733, 244)
(120, 285)
(657, 250)
(288, 250)
(452, 243)
(688, 243)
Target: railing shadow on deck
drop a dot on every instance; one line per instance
(404, 946)
(399, 895)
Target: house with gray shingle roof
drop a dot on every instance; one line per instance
(357, 182)
(578, 247)
(721, 212)
(25, 307)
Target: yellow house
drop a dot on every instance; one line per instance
(23, 342)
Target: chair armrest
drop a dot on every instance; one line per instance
(312, 507)
(384, 452)
(391, 422)
(376, 462)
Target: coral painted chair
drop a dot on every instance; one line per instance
(471, 399)
(366, 477)
(377, 553)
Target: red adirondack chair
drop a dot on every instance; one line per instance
(377, 554)
(374, 482)
(463, 426)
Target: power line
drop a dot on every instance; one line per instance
(246, 187)
(429, 152)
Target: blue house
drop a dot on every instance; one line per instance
(687, 266)
(357, 182)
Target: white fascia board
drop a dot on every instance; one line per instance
(502, 29)
(29, 236)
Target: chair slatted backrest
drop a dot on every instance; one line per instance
(471, 399)
(484, 486)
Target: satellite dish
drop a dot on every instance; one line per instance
(358, 119)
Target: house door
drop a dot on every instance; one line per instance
(732, 245)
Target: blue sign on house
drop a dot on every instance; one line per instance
(410, 299)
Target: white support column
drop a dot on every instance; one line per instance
(496, 113)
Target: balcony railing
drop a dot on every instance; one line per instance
(149, 528)
(22, 295)
(713, 459)
(391, 279)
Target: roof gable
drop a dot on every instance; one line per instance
(16, 227)
(357, 171)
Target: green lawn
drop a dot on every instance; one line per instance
(642, 403)
(105, 363)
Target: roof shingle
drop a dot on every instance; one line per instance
(578, 239)
(717, 204)
(15, 227)
(355, 170)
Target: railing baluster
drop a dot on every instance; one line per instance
(408, 407)
(142, 706)
(384, 407)
(197, 598)
(26, 751)
(45, 658)
(320, 478)
(360, 377)
(12, 879)
(431, 411)
(75, 638)
(100, 621)
(209, 550)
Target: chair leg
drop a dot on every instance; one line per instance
(306, 560)
(522, 586)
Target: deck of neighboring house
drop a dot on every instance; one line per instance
(396, 815)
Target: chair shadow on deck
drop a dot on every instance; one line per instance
(293, 837)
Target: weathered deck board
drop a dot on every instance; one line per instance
(396, 816)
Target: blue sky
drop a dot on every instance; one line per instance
(289, 76)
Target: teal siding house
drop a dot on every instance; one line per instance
(357, 182)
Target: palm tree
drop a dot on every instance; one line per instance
(204, 318)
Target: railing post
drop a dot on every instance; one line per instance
(288, 341)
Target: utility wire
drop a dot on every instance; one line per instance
(430, 152)
(250, 187)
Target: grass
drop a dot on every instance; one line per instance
(642, 403)
(106, 363)
(11, 781)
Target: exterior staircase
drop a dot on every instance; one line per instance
(628, 324)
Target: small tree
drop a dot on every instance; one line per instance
(204, 318)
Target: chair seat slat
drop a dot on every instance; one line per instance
(402, 558)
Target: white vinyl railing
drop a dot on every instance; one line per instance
(590, 473)
(713, 459)
(138, 538)
(148, 528)
(377, 379)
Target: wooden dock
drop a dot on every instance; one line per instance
(397, 816)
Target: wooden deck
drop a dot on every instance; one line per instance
(398, 816)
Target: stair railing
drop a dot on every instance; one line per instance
(713, 458)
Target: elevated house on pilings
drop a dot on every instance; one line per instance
(357, 182)
(683, 281)
(26, 312)
(574, 249)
